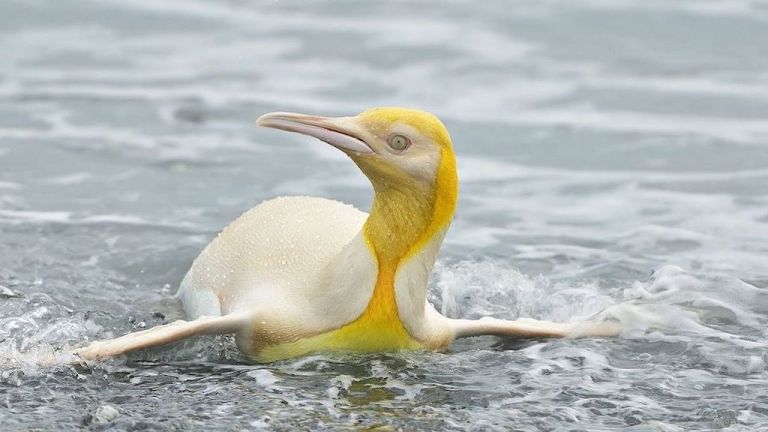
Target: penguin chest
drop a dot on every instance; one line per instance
(378, 328)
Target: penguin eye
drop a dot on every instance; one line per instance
(399, 142)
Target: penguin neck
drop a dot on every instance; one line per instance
(406, 223)
(398, 222)
(408, 215)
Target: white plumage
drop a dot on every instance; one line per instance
(293, 258)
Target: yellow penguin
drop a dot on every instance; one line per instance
(300, 275)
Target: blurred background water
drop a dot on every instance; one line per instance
(612, 157)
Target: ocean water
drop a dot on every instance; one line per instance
(613, 158)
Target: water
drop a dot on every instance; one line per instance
(612, 160)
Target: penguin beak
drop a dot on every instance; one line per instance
(340, 132)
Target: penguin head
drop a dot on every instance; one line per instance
(398, 149)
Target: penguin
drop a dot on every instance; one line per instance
(300, 275)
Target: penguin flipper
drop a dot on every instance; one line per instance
(526, 328)
(161, 335)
